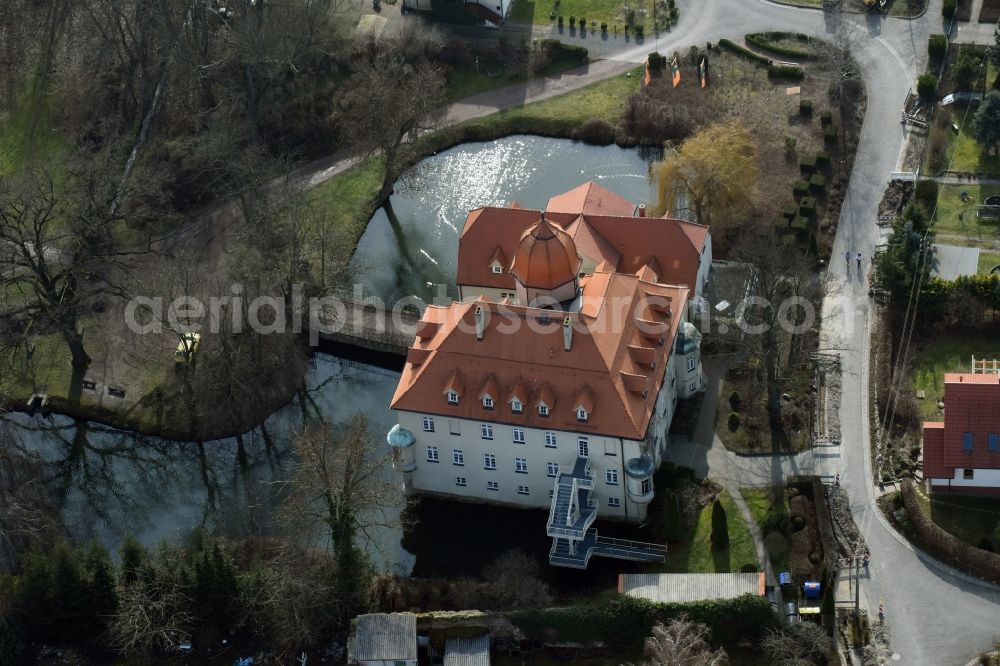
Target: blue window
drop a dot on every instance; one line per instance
(993, 441)
(967, 442)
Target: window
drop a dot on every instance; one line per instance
(551, 493)
(518, 436)
(611, 477)
(457, 457)
(489, 461)
(993, 442)
(453, 427)
(691, 387)
(460, 481)
(609, 448)
(487, 402)
(428, 424)
(521, 465)
(968, 473)
(432, 454)
(487, 430)
(614, 502)
(492, 485)
(581, 414)
(522, 490)
(550, 440)
(497, 269)
(516, 406)
(552, 468)
(647, 486)
(583, 446)
(452, 398)
(543, 410)
(691, 364)
(506, 294)
(967, 442)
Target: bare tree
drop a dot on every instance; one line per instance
(804, 644)
(514, 581)
(27, 515)
(375, 115)
(152, 615)
(682, 643)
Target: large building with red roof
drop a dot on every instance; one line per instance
(962, 453)
(552, 381)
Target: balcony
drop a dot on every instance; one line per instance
(572, 511)
(576, 555)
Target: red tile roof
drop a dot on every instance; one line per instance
(531, 363)
(972, 405)
(626, 244)
(591, 199)
(546, 257)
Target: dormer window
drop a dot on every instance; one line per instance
(452, 398)
(516, 406)
(543, 410)
(487, 402)
(581, 414)
(497, 269)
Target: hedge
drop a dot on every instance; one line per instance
(789, 72)
(557, 50)
(625, 622)
(745, 53)
(948, 8)
(806, 107)
(945, 545)
(937, 47)
(765, 40)
(808, 164)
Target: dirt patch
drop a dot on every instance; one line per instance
(806, 553)
(849, 539)
(990, 13)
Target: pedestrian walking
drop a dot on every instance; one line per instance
(838, 478)
(847, 257)
(859, 261)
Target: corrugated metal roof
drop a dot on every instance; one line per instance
(386, 636)
(676, 588)
(467, 651)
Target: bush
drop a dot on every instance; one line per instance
(766, 41)
(735, 401)
(807, 207)
(926, 194)
(808, 164)
(596, 131)
(927, 87)
(556, 50)
(583, 23)
(572, 21)
(604, 28)
(790, 144)
(657, 62)
(830, 134)
(823, 158)
(800, 189)
(733, 422)
(745, 53)
(720, 527)
(817, 182)
(786, 72)
(948, 8)
(806, 108)
(638, 31)
(560, 20)
(825, 118)
(937, 47)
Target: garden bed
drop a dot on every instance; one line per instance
(990, 13)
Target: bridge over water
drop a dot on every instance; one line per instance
(365, 323)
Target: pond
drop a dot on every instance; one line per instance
(418, 251)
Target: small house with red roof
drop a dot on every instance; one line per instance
(962, 453)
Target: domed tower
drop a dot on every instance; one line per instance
(640, 479)
(404, 458)
(687, 361)
(546, 264)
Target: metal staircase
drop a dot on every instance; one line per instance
(570, 518)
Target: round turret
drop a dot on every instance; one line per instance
(401, 440)
(640, 479)
(546, 257)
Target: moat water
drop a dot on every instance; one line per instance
(109, 483)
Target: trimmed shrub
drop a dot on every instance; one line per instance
(807, 164)
(806, 108)
(583, 23)
(800, 223)
(560, 20)
(817, 182)
(823, 158)
(785, 72)
(800, 188)
(937, 47)
(604, 28)
(766, 41)
(948, 8)
(791, 210)
(657, 62)
(720, 527)
(572, 21)
(830, 134)
(927, 87)
(556, 50)
(735, 401)
(744, 53)
(733, 422)
(595, 131)
(639, 31)
(807, 207)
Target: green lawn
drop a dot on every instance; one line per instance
(467, 80)
(988, 260)
(612, 12)
(948, 354)
(769, 507)
(955, 217)
(967, 155)
(971, 519)
(696, 554)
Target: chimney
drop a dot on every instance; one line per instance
(642, 210)
(567, 333)
(480, 322)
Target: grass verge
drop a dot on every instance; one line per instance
(697, 555)
(769, 508)
(948, 354)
